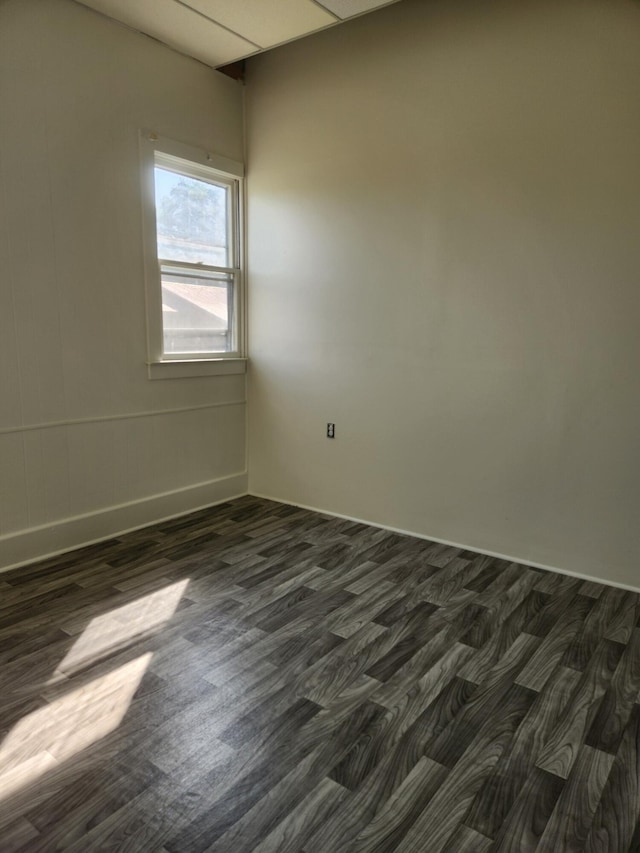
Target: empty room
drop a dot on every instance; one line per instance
(319, 426)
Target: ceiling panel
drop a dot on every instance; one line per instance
(347, 8)
(179, 27)
(218, 32)
(266, 22)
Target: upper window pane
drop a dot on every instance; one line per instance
(192, 219)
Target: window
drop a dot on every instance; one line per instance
(192, 204)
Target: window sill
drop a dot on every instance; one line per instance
(205, 367)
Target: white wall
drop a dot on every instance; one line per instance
(444, 232)
(74, 90)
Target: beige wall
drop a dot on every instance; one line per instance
(75, 462)
(444, 231)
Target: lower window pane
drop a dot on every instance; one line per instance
(196, 313)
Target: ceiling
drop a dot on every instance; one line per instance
(218, 32)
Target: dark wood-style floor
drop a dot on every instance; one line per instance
(259, 677)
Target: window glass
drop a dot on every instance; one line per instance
(192, 205)
(196, 311)
(192, 219)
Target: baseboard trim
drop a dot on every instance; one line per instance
(462, 545)
(49, 540)
(40, 543)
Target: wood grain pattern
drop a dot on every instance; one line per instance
(615, 823)
(257, 677)
(571, 819)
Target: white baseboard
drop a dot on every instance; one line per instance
(47, 540)
(464, 547)
(38, 543)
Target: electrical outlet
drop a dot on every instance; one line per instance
(331, 430)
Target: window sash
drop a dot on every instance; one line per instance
(194, 170)
(218, 171)
(218, 276)
(190, 268)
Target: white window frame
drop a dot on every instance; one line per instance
(197, 163)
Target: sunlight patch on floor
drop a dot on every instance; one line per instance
(68, 725)
(71, 723)
(120, 627)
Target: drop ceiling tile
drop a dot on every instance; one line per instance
(266, 22)
(179, 27)
(348, 8)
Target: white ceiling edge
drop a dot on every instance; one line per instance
(176, 26)
(233, 46)
(347, 9)
(332, 25)
(266, 22)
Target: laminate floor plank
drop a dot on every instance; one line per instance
(486, 703)
(563, 745)
(251, 787)
(435, 652)
(445, 583)
(250, 600)
(570, 822)
(90, 802)
(555, 644)
(465, 840)
(448, 807)
(616, 817)
(528, 818)
(494, 801)
(290, 835)
(625, 619)
(419, 627)
(256, 677)
(557, 608)
(141, 822)
(503, 638)
(421, 715)
(510, 573)
(278, 803)
(593, 629)
(365, 753)
(384, 833)
(18, 834)
(400, 607)
(377, 574)
(608, 726)
(491, 617)
(489, 569)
